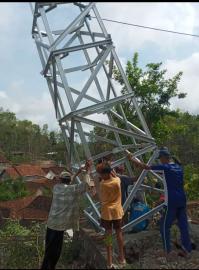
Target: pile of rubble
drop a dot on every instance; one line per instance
(143, 249)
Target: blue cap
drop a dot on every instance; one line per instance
(164, 152)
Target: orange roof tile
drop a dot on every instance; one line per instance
(41, 202)
(33, 214)
(33, 185)
(16, 205)
(12, 172)
(25, 170)
(39, 180)
(29, 170)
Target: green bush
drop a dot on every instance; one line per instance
(191, 176)
(13, 189)
(22, 247)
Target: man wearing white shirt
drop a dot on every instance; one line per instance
(64, 214)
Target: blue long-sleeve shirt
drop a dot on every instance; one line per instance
(175, 183)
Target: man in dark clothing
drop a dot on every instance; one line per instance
(176, 208)
(126, 181)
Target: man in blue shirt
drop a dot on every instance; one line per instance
(176, 208)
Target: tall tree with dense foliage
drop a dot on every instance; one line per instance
(152, 89)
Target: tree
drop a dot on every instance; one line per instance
(152, 90)
(29, 139)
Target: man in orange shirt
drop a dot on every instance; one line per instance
(111, 211)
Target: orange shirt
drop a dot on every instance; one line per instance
(110, 197)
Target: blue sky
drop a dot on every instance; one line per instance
(24, 91)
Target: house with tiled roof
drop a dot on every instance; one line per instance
(13, 206)
(37, 210)
(30, 208)
(40, 183)
(26, 171)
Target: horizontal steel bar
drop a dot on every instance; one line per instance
(82, 47)
(141, 218)
(42, 4)
(99, 138)
(114, 129)
(95, 34)
(73, 69)
(152, 188)
(86, 33)
(73, 49)
(139, 145)
(94, 108)
(145, 150)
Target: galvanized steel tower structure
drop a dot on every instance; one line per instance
(78, 62)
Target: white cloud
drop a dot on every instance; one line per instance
(38, 109)
(3, 94)
(189, 82)
(18, 95)
(175, 16)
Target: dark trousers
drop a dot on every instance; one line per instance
(168, 218)
(53, 247)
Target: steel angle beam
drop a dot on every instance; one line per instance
(152, 188)
(97, 107)
(42, 4)
(94, 221)
(97, 137)
(68, 50)
(143, 217)
(137, 184)
(114, 129)
(94, 34)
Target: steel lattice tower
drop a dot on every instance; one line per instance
(78, 63)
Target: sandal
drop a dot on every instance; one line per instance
(122, 264)
(112, 266)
